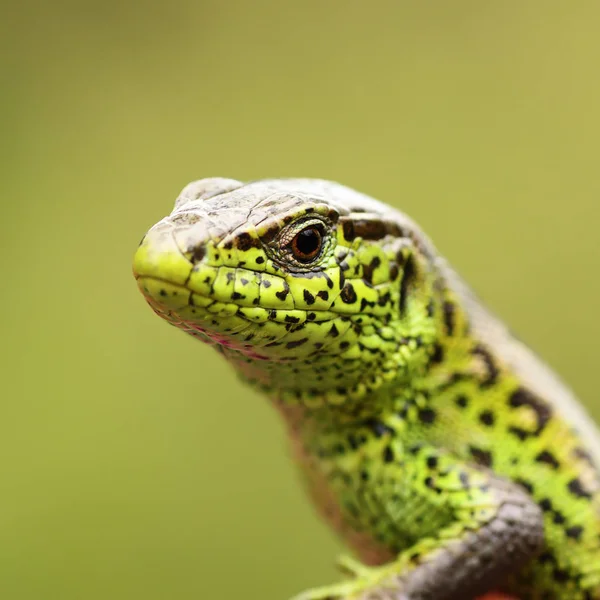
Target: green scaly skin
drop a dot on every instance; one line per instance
(447, 455)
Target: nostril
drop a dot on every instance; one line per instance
(198, 254)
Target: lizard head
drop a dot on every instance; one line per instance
(314, 292)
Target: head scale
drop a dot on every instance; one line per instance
(314, 292)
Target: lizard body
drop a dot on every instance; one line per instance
(448, 456)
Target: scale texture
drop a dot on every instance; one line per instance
(448, 456)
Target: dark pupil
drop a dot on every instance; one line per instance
(308, 243)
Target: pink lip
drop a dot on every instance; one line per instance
(226, 342)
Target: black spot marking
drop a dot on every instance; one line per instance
(395, 230)
(354, 441)
(370, 268)
(308, 297)
(348, 229)
(379, 428)
(482, 457)
(291, 319)
(266, 283)
(328, 280)
(199, 254)
(270, 233)
(462, 401)
(237, 296)
(415, 449)
(394, 272)
(339, 449)
(408, 278)
(575, 532)
(519, 432)
(432, 462)
(296, 343)
(282, 294)
(463, 476)
(403, 412)
(163, 293)
(490, 365)
(522, 397)
(383, 299)
(333, 332)
(577, 489)
(449, 317)
(388, 454)
(364, 303)
(260, 260)
(348, 295)
(487, 418)
(546, 457)
(546, 505)
(559, 518)
(560, 575)
(526, 485)
(427, 415)
(437, 355)
(369, 229)
(430, 308)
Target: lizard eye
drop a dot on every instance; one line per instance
(306, 245)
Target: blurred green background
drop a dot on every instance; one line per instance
(134, 465)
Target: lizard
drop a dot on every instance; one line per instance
(447, 455)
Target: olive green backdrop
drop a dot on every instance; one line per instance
(133, 464)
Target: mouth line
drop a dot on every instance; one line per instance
(203, 309)
(196, 324)
(190, 323)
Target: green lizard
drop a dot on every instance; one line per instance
(446, 454)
